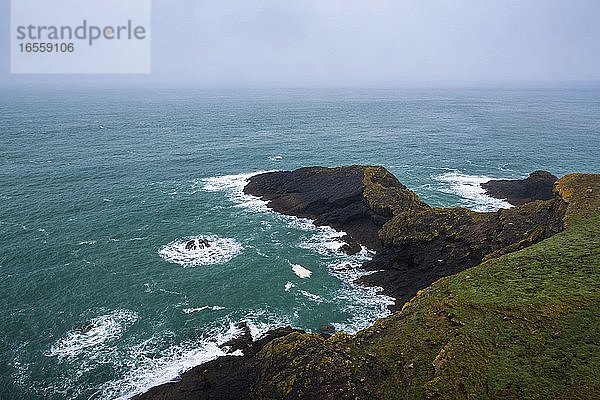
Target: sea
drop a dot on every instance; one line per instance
(100, 189)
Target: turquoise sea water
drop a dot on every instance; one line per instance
(100, 189)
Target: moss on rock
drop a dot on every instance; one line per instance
(385, 195)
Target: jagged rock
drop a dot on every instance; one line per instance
(343, 267)
(420, 248)
(355, 199)
(351, 248)
(537, 186)
(197, 244)
(243, 342)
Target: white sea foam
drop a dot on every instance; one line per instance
(170, 292)
(92, 335)
(134, 239)
(262, 320)
(300, 271)
(469, 188)
(278, 157)
(364, 304)
(220, 251)
(233, 186)
(196, 309)
(325, 240)
(260, 253)
(146, 370)
(20, 375)
(288, 286)
(312, 296)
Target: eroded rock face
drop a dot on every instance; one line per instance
(355, 199)
(420, 248)
(537, 186)
(310, 367)
(416, 244)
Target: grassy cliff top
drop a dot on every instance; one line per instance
(525, 325)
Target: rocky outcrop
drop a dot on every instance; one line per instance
(422, 247)
(416, 244)
(197, 244)
(537, 186)
(355, 199)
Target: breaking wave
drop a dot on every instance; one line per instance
(468, 187)
(92, 335)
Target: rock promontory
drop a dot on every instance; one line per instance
(357, 200)
(415, 243)
(537, 186)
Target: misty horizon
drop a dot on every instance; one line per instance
(347, 44)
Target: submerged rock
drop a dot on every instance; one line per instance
(197, 244)
(537, 186)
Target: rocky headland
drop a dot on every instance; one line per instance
(537, 186)
(489, 305)
(357, 200)
(415, 243)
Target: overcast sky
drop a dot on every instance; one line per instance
(369, 43)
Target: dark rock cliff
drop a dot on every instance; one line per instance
(420, 248)
(537, 186)
(416, 244)
(355, 199)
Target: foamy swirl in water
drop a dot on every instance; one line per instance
(94, 334)
(468, 187)
(219, 251)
